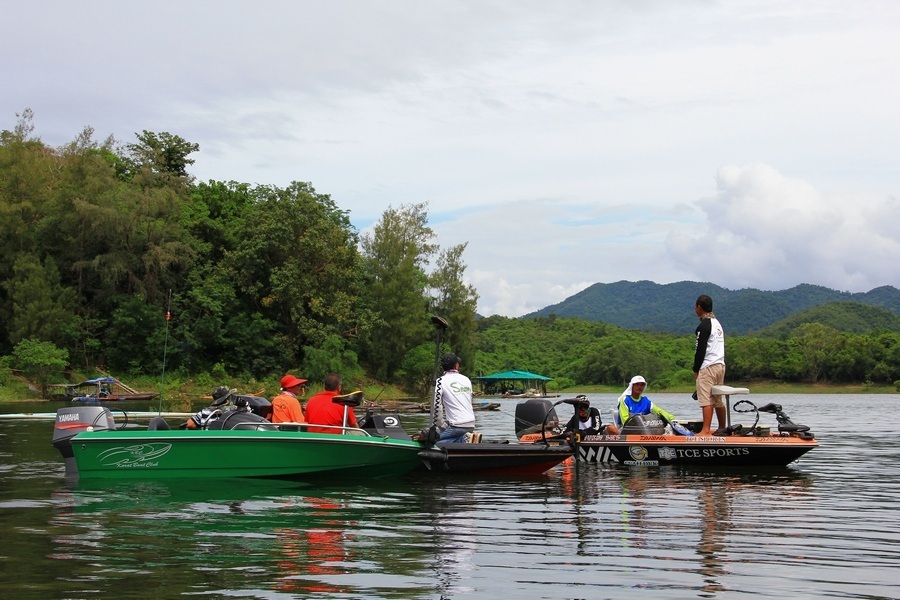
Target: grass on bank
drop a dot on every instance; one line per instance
(188, 394)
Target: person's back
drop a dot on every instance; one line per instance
(321, 410)
(454, 416)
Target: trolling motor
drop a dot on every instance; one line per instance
(785, 425)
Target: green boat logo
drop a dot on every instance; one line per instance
(135, 456)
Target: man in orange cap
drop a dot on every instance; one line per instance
(285, 406)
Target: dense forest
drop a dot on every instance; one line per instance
(114, 255)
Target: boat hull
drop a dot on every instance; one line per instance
(494, 458)
(179, 454)
(713, 451)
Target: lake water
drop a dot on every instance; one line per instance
(826, 526)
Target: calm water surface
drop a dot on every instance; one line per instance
(826, 526)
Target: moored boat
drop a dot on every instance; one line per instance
(483, 457)
(95, 446)
(645, 440)
(100, 389)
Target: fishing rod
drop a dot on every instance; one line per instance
(162, 383)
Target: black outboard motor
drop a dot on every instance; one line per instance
(71, 421)
(651, 424)
(381, 425)
(255, 404)
(532, 414)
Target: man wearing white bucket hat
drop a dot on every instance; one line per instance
(633, 402)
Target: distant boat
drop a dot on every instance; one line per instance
(101, 389)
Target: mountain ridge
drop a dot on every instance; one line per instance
(669, 308)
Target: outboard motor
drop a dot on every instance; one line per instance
(651, 424)
(532, 414)
(381, 425)
(255, 404)
(71, 421)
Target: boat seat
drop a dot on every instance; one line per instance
(351, 399)
(157, 423)
(792, 428)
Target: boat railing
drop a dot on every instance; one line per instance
(301, 427)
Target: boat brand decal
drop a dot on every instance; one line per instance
(391, 421)
(65, 418)
(653, 438)
(598, 454)
(711, 452)
(638, 453)
(134, 457)
(666, 453)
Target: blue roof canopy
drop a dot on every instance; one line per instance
(515, 376)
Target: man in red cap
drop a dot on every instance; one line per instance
(285, 406)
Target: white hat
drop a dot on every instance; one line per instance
(634, 380)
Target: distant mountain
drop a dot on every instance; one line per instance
(648, 306)
(849, 317)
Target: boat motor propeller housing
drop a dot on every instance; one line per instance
(532, 414)
(651, 424)
(71, 421)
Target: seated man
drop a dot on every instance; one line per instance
(586, 420)
(205, 416)
(320, 410)
(633, 402)
(286, 405)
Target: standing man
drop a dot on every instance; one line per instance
(320, 410)
(453, 393)
(709, 364)
(285, 406)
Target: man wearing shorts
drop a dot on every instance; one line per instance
(709, 364)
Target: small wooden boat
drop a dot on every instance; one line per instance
(101, 389)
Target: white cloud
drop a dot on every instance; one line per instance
(769, 231)
(568, 143)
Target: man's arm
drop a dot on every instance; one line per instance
(703, 331)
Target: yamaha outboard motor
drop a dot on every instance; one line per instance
(71, 421)
(532, 414)
(651, 424)
(378, 424)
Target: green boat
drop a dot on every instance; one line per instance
(94, 447)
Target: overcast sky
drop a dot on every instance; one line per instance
(746, 143)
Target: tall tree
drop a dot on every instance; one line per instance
(297, 264)
(41, 308)
(396, 254)
(457, 302)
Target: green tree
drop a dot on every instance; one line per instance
(396, 254)
(41, 307)
(297, 264)
(456, 301)
(162, 154)
(817, 343)
(40, 361)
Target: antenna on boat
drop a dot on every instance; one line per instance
(162, 383)
(440, 325)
